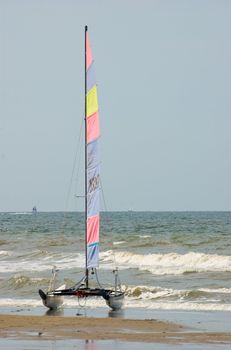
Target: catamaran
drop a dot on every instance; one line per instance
(114, 298)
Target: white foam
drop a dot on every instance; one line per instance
(43, 264)
(175, 305)
(71, 302)
(218, 290)
(5, 252)
(151, 293)
(157, 264)
(68, 302)
(146, 297)
(144, 236)
(22, 213)
(8, 302)
(119, 242)
(158, 298)
(64, 261)
(172, 263)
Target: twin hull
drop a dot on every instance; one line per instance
(54, 301)
(115, 300)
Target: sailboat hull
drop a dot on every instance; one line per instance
(115, 300)
(54, 299)
(51, 301)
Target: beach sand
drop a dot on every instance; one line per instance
(150, 331)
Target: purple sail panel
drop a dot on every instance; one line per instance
(93, 154)
(93, 204)
(92, 163)
(91, 81)
(93, 180)
(93, 192)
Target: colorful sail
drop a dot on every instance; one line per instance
(93, 162)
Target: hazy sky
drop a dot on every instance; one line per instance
(164, 82)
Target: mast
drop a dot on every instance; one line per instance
(85, 119)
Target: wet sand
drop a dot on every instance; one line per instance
(56, 327)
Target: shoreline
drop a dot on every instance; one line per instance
(130, 330)
(206, 321)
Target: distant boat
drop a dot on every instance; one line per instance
(34, 210)
(114, 297)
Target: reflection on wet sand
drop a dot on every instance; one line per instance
(57, 312)
(116, 313)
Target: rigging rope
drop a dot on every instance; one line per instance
(84, 303)
(78, 148)
(96, 275)
(77, 151)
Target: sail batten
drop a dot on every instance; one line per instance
(92, 163)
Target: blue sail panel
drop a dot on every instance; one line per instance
(93, 255)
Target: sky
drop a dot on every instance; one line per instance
(164, 88)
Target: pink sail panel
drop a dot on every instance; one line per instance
(93, 229)
(93, 131)
(88, 52)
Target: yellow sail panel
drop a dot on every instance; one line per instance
(92, 101)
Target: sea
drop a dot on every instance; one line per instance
(166, 260)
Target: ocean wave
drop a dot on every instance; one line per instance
(175, 305)
(13, 302)
(43, 263)
(21, 281)
(142, 296)
(145, 292)
(171, 263)
(5, 253)
(73, 302)
(156, 264)
(169, 299)
(154, 293)
(119, 242)
(217, 290)
(21, 213)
